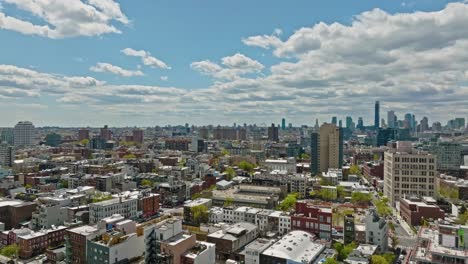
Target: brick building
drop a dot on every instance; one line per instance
(148, 203)
(13, 212)
(412, 210)
(37, 242)
(313, 219)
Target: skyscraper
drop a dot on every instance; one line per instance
(326, 148)
(377, 115)
(283, 124)
(360, 123)
(23, 134)
(138, 136)
(334, 120)
(349, 123)
(105, 133)
(391, 119)
(273, 133)
(6, 155)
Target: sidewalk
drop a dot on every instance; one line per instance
(403, 223)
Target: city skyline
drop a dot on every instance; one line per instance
(128, 67)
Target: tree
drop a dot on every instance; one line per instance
(224, 152)
(330, 261)
(462, 218)
(305, 156)
(10, 251)
(394, 241)
(64, 183)
(382, 207)
(28, 186)
(228, 202)
(199, 214)
(391, 226)
(327, 194)
(361, 198)
(344, 251)
(341, 191)
(146, 183)
(247, 166)
(129, 156)
(354, 169)
(84, 142)
(230, 173)
(377, 259)
(288, 202)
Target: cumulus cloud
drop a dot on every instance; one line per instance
(164, 78)
(146, 58)
(235, 66)
(414, 62)
(63, 19)
(109, 68)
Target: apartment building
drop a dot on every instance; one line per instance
(409, 173)
(125, 206)
(315, 220)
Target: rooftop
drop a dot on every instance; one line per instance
(297, 246)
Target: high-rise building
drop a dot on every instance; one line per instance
(83, 133)
(105, 133)
(6, 155)
(449, 156)
(316, 124)
(7, 136)
(340, 123)
(360, 123)
(138, 136)
(349, 123)
(424, 125)
(23, 134)
(377, 115)
(349, 234)
(407, 173)
(391, 119)
(408, 122)
(283, 124)
(314, 159)
(273, 133)
(328, 153)
(334, 120)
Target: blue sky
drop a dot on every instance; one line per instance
(258, 82)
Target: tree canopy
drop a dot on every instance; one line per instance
(247, 166)
(361, 198)
(289, 202)
(129, 156)
(10, 251)
(354, 169)
(230, 173)
(147, 183)
(343, 251)
(199, 214)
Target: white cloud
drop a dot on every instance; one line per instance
(107, 67)
(63, 19)
(146, 58)
(235, 66)
(164, 78)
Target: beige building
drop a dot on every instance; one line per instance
(330, 153)
(409, 174)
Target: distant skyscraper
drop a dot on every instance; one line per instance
(316, 124)
(377, 115)
(83, 133)
(334, 120)
(340, 123)
(349, 123)
(23, 134)
(391, 119)
(273, 133)
(408, 122)
(283, 124)
(360, 123)
(424, 125)
(326, 148)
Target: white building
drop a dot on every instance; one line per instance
(253, 250)
(333, 176)
(409, 174)
(376, 230)
(125, 206)
(288, 165)
(23, 134)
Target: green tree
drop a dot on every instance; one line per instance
(230, 173)
(361, 198)
(390, 257)
(224, 152)
(354, 169)
(199, 214)
(129, 156)
(247, 166)
(341, 191)
(289, 202)
(327, 194)
(330, 261)
(101, 197)
(382, 207)
(462, 218)
(28, 186)
(228, 202)
(305, 156)
(391, 226)
(377, 259)
(394, 241)
(64, 183)
(10, 251)
(84, 142)
(146, 183)
(343, 251)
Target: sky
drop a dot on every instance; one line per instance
(154, 62)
